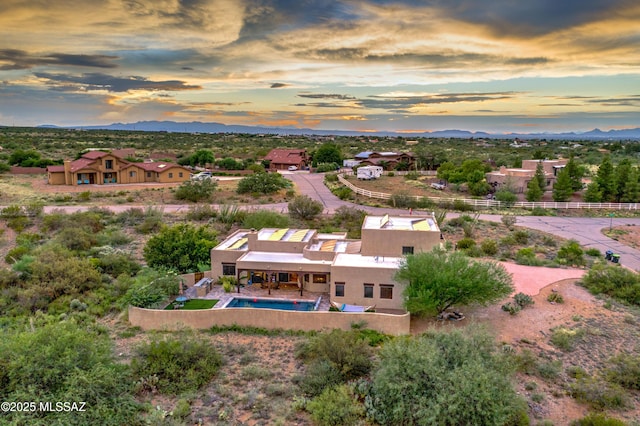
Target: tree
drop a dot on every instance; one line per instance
(540, 177)
(562, 189)
(453, 377)
(534, 192)
(438, 280)
(507, 197)
(631, 193)
(622, 172)
(606, 180)
(576, 172)
(262, 183)
(181, 247)
(328, 153)
(304, 207)
(593, 193)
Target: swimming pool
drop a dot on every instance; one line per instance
(281, 304)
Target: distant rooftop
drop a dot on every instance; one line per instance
(285, 234)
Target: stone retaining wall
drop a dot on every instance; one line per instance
(155, 319)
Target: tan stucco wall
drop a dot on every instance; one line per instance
(138, 178)
(56, 178)
(218, 257)
(154, 319)
(389, 242)
(164, 175)
(354, 279)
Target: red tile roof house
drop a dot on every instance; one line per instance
(389, 160)
(101, 167)
(282, 159)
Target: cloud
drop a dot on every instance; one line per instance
(278, 85)
(325, 96)
(98, 81)
(15, 59)
(402, 103)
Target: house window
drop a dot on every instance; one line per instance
(108, 164)
(180, 174)
(319, 279)
(148, 174)
(368, 291)
(407, 249)
(283, 277)
(386, 291)
(228, 269)
(132, 174)
(339, 289)
(170, 175)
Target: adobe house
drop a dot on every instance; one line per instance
(519, 178)
(102, 167)
(282, 159)
(356, 272)
(389, 160)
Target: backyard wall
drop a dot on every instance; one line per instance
(155, 319)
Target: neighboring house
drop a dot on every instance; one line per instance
(357, 272)
(518, 179)
(389, 160)
(282, 159)
(101, 167)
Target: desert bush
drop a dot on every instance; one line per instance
(549, 370)
(597, 419)
(512, 308)
(523, 300)
(304, 207)
(566, 338)
(181, 247)
(465, 243)
(489, 247)
(342, 192)
(180, 364)
(230, 214)
(331, 177)
(318, 376)
(434, 376)
(262, 183)
(555, 298)
(571, 253)
(619, 283)
(593, 252)
(327, 167)
(117, 263)
(201, 212)
(196, 191)
(335, 406)
(509, 221)
(76, 239)
(265, 219)
(598, 394)
(16, 253)
(624, 369)
(521, 237)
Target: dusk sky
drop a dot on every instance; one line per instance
(496, 66)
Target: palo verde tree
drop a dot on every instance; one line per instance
(181, 247)
(437, 280)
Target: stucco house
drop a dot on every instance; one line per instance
(356, 272)
(282, 159)
(102, 167)
(519, 178)
(389, 160)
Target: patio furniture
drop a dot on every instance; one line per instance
(86, 182)
(79, 182)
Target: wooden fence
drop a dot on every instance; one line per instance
(484, 203)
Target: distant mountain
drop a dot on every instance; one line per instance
(200, 127)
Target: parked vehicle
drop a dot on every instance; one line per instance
(202, 176)
(293, 168)
(369, 172)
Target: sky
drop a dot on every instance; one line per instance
(498, 66)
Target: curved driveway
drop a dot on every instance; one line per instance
(587, 231)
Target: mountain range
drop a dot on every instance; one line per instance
(200, 127)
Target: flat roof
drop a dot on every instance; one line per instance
(407, 223)
(237, 241)
(358, 261)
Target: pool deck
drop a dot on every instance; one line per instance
(217, 292)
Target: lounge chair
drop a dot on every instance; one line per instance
(345, 307)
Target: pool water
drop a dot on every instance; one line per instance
(282, 304)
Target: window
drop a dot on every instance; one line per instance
(319, 279)
(339, 289)
(108, 164)
(407, 249)
(283, 277)
(180, 174)
(148, 174)
(368, 291)
(170, 175)
(132, 174)
(386, 291)
(228, 269)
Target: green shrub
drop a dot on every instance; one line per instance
(318, 376)
(619, 283)
(523, 300)
(598, 394)
(342, 192)
(511, 308)
(593, 252)
(549, 370)
(305, 208)
(521, 237)
(489, 247)
(335, 406)
(466, 243)
(571, 253)
(576, 372)
(331, 177)
(180, 364)
(624, 370)
(265, 219)
(597, 419)
(201, 212)
(16, 254)
(262, 183)
(196, 191)
(555, 298)
(566, 338)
